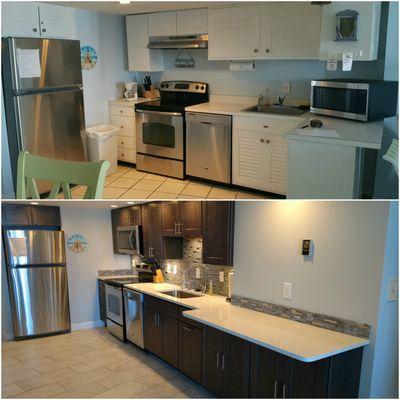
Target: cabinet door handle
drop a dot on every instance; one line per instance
(266, 126)
(155, 319)
(175, 228)
(187, 329)
(275, 388)
(262, 140)
(284, 391)
(255, 50)
(179, 229)
(34, 29)
(267, 50)
(158, 319)
(223, 362)
(267, 141)
(217, 359)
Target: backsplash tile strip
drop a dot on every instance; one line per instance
(322, 321)
(192, 259)
(106, 272)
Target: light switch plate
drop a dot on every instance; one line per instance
(168, 268)
(197, 273)
(286, 87)
(393, 290)
(175, 269)
(287, 290)
(221, 276)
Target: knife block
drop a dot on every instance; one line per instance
(159, 277)
(153, 93)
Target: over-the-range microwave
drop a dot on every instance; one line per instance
(360, 100)
(129, 239)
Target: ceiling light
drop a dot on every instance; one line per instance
(114, 206)
(130, 202)
(124, 1)
(34, 203)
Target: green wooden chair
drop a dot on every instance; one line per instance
(61, 173)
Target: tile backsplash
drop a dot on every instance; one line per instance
(186, 269)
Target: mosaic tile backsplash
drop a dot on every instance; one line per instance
(186, 269)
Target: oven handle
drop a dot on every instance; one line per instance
(160, 112)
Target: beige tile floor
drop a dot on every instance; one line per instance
(128, 183)
(88, 364)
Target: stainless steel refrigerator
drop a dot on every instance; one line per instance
(37, 281)
(43, 97)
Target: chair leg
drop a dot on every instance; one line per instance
(66, 190)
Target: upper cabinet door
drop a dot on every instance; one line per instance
(57, 21)
(20, 19)
(190, 22)
(162, 23)
(290, 30)
(234, 33)
(140, 58)
(365, 48)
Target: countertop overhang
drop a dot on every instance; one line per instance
(294, 339)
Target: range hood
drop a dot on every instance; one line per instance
(178, 42)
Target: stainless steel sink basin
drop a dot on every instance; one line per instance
(276, 109)
(180, 294)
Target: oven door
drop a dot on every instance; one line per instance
(340, 99)
(128, 240)
(114, 304)
(160, 133)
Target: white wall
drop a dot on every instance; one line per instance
(106, 33)
(343, 278)
(385, 375)
(95, 225)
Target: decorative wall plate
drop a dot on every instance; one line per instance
(88, 57)
(77, 243)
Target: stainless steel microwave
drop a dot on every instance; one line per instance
(360, 100)
(129, 239)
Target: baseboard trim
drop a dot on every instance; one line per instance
(87, 325)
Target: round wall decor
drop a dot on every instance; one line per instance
(88, 57)
(77, 243)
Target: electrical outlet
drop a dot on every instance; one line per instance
(168, 268)
(287, 290)
(286, 87)
(393, 290)
(175, 269)
(198, 273)
(221, 276)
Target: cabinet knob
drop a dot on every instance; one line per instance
(262, 140)
(121, 111)
(266, 126)
(44, 30)
(122, 127)
(34, 30)
(255, 50)
(122, 142)
(267, 50)
(267, 141)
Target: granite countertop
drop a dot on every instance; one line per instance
(125, 103)
(295, 339)
(105, 277)
(351, 133)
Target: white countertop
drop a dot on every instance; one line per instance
(351, 133)
(295, 339)
(131, 103)
(116, 276)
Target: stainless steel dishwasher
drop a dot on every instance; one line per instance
(134, 317)
(208, 146)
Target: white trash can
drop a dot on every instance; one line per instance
(102, 143)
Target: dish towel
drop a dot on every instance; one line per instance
(392, 155)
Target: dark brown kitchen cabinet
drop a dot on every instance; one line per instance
(31, 216)
(152, 331)
(153, 245)
(218, 225)
(274, 375)
(190, 350)
(226, 364)
(102, 300)
(181, 219)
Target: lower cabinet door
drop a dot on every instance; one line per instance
(170, 340)
(152, 331)
(190, 351)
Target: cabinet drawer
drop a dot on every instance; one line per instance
(162, 306)
(125, 124)
(266, 124)
(122, 111)
(126, 142)
(126, 155)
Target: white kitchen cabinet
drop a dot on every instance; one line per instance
(234, 33)
(365, 48)
(32, 19)
(162, 23)
(57, 21)
(189, 22)
(290, 30)
(260, 152)
(140, 58)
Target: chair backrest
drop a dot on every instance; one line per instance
(61, 173)
(392, 155)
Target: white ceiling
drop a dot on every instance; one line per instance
(92, 204)
(137, 6)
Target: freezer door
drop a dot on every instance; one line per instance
(60, 63)
(31, 247)
(39, 300)
(53, 125)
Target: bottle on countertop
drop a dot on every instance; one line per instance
(210, 288)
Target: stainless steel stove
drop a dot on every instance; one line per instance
(160, 127)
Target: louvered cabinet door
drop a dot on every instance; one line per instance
(278, 160)
(250, 159)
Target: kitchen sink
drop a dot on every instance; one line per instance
(277, 109)
(180, 294)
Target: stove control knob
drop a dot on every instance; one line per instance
(167, 85)
(197, 87)
(202, 88)
(162, 85)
